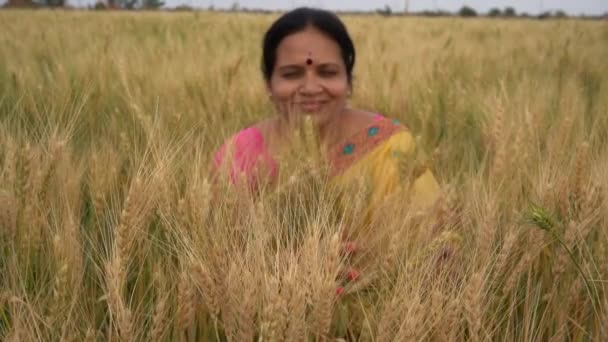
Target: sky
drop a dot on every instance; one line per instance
(573, 7)
(530, 6)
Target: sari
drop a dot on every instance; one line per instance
(377, 152)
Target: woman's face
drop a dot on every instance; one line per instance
(309, 76)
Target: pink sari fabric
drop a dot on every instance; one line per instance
(251, 160)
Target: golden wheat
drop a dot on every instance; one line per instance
(107, 133)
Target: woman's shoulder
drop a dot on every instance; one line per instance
(369, 131)
(244, 153)
(245, 141)
(244, 136)
(362, 119)
(358, 119)
(366, 124)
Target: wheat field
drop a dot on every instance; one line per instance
(110, 229)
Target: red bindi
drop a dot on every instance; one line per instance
(309, 59)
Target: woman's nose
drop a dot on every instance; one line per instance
(310, 84)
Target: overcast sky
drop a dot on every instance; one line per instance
(530, 6)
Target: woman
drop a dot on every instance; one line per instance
(307, 63)
(308, 60)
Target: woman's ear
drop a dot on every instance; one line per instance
(350, 86)
(268, 89)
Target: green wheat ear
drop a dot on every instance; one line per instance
(541, 218)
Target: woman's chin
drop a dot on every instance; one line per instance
(316, 112)
(319, 118)
(311, 111)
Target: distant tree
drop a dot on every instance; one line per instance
(19, 3)
(183, 8)
(467, 11)
(494, 12)
(152, 4)
(560, 14)
(524, 15)
(235, 6)
(129, 4)
(120, 4)
(436, 13)
(100, 5)
(386, 11)
(50, 3)
(544, 15)
(510, 12)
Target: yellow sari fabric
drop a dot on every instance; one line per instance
(378, 155)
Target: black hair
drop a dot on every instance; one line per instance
(298, 20)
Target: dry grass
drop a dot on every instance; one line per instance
(110, 230)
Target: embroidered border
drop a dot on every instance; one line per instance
(361, 143)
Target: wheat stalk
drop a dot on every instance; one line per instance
(8, 215)
(412, 326)
(185, 302)
(498, 142)
(246, 311)
(208, 288)
(121, 313)
(274, 313)
(296, 305)
(387, 327)
(581, 174)
(473, 306)
(61, 284)
(159, 320)
(503, 257)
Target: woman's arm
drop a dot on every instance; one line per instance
(242, 162)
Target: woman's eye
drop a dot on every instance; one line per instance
(291, 75)
(329, 73)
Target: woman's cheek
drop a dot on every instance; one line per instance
(284, 90)
(338, 89)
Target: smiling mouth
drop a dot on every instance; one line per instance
(312, 105)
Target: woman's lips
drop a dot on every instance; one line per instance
(311, 106)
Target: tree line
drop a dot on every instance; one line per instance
(465, 11)
(100, 5)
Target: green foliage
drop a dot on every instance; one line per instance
(152, 4)
(100, 6)
(386, 11)
(467, 11)
(510, 12)
(52, 3)
(495, 12)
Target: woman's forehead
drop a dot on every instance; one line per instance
(309, 43)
